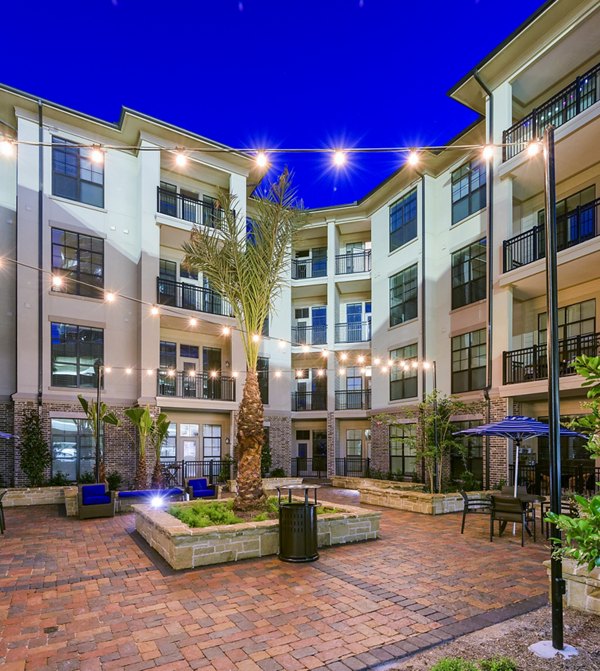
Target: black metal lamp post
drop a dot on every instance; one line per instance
(99, 372)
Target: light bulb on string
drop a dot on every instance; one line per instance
(384, 369)
(154, 310)
(57, 281)
(226, 331)
(324, 353)
(281, 344)
(109, 297)
(97, 155)
(128, 371)
(390, 362)
(415, 364)
(7, 147)
(320, 372)
(305, 349)
(488, 152)
(339, 158)
(235, 373)
(171, 372)
(261, 159)
(107, 369)
(343, 356)
(193, 322)
(180, 158)
(426, 365)
(533, 148)
(376, 361)
(277, 373)
(149, 372)
(342, 371)
(213, 373)
(360, 359)
(256, 338)
(299, 373)
(413, 158)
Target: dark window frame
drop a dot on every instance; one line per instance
(473, 452)
(563, 324)
(403, 215)
(407, 293)
(468, 284)
(401, 450)
(71, 164)
(468, 185)
(469, 377)
(60, 328)
(262, 371)
(404, 382)
(70, 246)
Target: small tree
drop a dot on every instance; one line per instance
(159, 432)
(143, 422)
(35, 455)
(589, 368)
(95, 416)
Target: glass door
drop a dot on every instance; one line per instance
(319, 325)
(211, 363)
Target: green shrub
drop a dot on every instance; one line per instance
(277, 473)
(261, 517)
(33, 448)
(265, 460)
(87, 478)
(454, 664)
(497, 664)
(114, 480)
(59, 479)
(201, 515)
(225, 472)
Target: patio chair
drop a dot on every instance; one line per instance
(2, 521)
(510, 509)
(198, 488)
(95, 501)
(474, 504)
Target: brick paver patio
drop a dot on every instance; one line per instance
(88, 595)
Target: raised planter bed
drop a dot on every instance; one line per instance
(37, 496)
(184, 547)
(404, 496)
(269, 484)
(583, 586)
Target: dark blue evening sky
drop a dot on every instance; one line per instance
(288, 73)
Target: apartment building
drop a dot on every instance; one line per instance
(434, 279)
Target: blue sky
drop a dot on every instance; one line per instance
(286, 73)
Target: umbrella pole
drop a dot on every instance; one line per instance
(518, 445)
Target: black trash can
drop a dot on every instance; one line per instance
(298, 532)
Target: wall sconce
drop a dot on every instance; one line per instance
(227, 441)
(227, 364)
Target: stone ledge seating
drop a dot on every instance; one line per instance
(143, 494)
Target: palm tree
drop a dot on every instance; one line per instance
(247, 266)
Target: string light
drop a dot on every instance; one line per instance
(226, 331)
(261, 159)
(488, 152)
(281, 344)
(384, 369)
(7, 148)
(426, 365)
(109, 297)
(377, 361)
(305, 349)
(361, 359)
(343, 356)
(256, 338)
(97, 155)
(324, 353)
(193, 321)
(180, 158)
(107, 369)
(154, 310)
(413, 158)
(342, 371)
(235, 373)
(171, 372)
(128, 371)
(299, 373)
(149, 372)
(390, 362)
(57, 281)
(213, 373)
(277, 373)
(339, 158)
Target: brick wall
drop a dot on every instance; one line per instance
(7, 447)
(280, 434)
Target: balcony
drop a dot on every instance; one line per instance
(189, 209)
(347, 264)
(572, 228)
(309, 400)
(191, 297)
(580, 94)
(309, 335)
(529, 364)
(359, 399)
(179, 384)
(303, 269)
(353, 332)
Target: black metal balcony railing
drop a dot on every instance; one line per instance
(357, 262)
(359, 399)
(309, 468)
(303, 269)
(191, 297)
(189, 209)
(572, 228)
(575, 477)
(177, 473)
(182, 384)
(580, 94)
(308, 400)
(353, 332)
(354, 467)
(525, 365)
(309, 335)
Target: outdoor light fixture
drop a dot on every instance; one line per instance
(342, 371)
(413, 158)
(128, 371)
(180, 158)
(256, 338)
(377, 361)
(109, 297)
(154, 310)
(156, 502)
(97, 155)
(339, 158)
(193, 321)
(488, 152)
(7, 148)
(533, 148)
(261, 159)
(226, 331)
(57, 281)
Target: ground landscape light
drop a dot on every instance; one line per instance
(156, 502)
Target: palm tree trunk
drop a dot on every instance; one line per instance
(141, 477)
(157, 476)
(250, 439)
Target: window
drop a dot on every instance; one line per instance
(168, 354)
(354, 442)
(403, 296)
(468, 361)
(189, 351)
(168, 449)
(265, 328)
(262, 369)
(79, 260)
(211, 441)
(470, 458)
(187, 274)
(574, 320)
(168, 270)
(468, 190)
(403, 220)
(74, 350)
(319, 262)
(403, 382)
(403, 451)
(73, 451)
(74, 175)
(468, 274)
(575, 218)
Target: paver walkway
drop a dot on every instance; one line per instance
(88, 595)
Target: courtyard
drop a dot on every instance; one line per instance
(90, 595)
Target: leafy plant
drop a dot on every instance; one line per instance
(469, 482)
(265, 460)
(581, 540)
(158, 434)
(225, 472)
(454, 664)
(34, 452)
(498, 664)
(249, 267)
(59, 479)
(114, 480)
(143, 422)
(201, 515)
(98, 415)
(87, 478)
(589, 368)
(277, 473)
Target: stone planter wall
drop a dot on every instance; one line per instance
(269, 484)
(404, 496)
(583, 587)
(36, 496)
(184, 547)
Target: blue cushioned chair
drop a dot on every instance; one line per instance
(198, 488)
(96, 501)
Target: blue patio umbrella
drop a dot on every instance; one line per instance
(518, 429)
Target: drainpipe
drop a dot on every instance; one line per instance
(40, 253)
(490, 269)
(423, 317)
